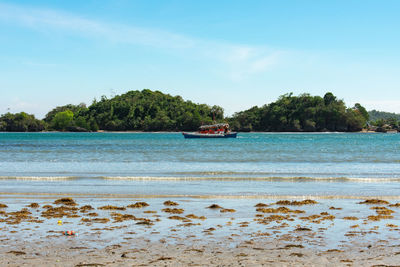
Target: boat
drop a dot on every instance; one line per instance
(220, 130)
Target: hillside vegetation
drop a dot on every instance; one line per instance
(148, 110)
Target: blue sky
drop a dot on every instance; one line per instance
(236, 54)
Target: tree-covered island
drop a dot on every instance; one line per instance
(148, 110)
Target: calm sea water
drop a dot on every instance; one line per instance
(254, 164)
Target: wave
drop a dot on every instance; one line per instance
(271, 179)
(232, 178)
(211, 196)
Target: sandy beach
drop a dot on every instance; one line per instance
(197, 232)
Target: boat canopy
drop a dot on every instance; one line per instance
(214, 126)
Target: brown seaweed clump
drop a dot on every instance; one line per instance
(214, 206)
(192, 216)
(350, 218)
(2, 206)
(379, 217)
(85, 208)
(227, 210)
(33, 205)
(173, 211)
(293, 246)
(302, 229)
(23, 215)
(67, 201)
(110, 207)
(260, 205)
(175, 217)
(118, 217)
(374, 201)
(138, 205)
(296, 203)
(396, 205)
(382, 210)
(278, 210)
(170, 203)
(334, 208)
(59, 212)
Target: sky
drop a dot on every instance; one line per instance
(235, 54)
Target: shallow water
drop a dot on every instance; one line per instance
(254, 164)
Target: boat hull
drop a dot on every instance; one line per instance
(199, 135)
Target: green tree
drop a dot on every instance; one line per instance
(62, 120)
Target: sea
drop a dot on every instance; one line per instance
(253, 165)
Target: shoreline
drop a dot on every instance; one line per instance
(182, 231)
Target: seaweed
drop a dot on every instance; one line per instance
(174, 210)
(65, 201)
(296, 203)
(110, 207)
(170, 203)
(374, 201)
(214, 206)
(227, 210)
(138, 205)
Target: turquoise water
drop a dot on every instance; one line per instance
(254, 164)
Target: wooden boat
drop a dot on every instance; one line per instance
(220, 130)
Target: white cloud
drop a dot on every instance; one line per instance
(238, 61)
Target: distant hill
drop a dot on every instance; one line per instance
(376, 115)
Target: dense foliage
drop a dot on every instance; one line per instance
(144, 110)
(301, 113)
(376, 115)
(20, 122)
(148, 110)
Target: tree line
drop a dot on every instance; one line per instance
(148, 110)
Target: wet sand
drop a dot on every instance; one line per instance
(198, 232)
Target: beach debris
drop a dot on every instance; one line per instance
(59, 222)
(110, 207)
(138, 205)
(33, 205)
(374, 201)
(69, 233)
(174, 210)
(170, 203)
(227, 210)
(2, 206)
(65, 201)
(214, 206)
(296, 203)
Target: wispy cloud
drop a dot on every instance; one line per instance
(238, 60)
